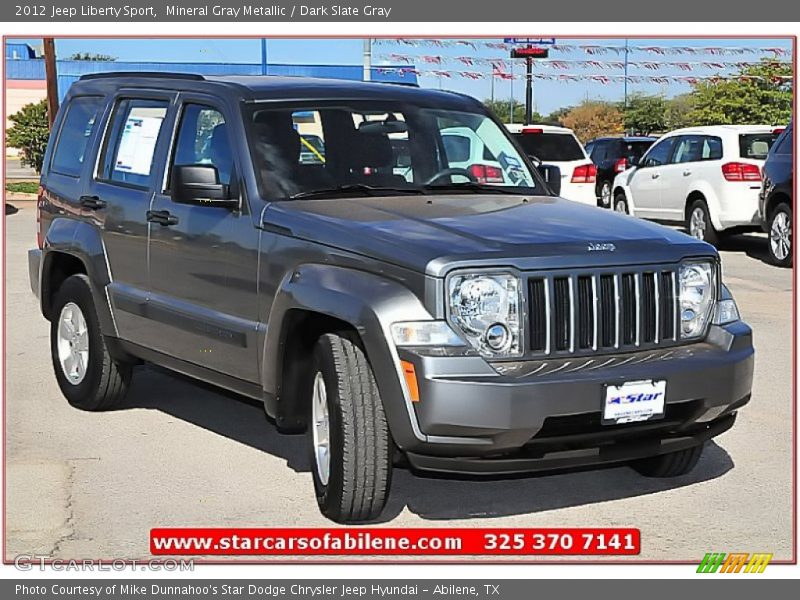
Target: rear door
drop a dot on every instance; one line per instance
(204, 259)
(122, 188)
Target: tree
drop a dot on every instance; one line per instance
(29, 134)
(502, 108)
(646, 114)
(557, 116)
(92, 57)
(677, 114)
(592, 119)
(756, 95)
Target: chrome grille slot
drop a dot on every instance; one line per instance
(585, 312)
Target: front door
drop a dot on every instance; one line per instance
(646, 182)
(204, 259)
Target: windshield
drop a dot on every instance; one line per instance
(551, 147)
(381, 148)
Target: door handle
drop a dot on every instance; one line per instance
(687, 173)
(162, 217)
(92, 202)
(654, 175)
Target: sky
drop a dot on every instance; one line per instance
(548, 95)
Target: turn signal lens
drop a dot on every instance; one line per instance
(410, 375)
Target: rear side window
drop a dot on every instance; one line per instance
(694, 148)
(756, 145)
(128, 156)
(77, 128)
(558, 147)
(633, 151)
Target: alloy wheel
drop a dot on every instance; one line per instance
(73, 343)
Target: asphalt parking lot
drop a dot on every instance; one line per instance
(85, 485)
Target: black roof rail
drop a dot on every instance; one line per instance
(147, 74)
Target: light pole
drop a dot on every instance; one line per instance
(367, 59)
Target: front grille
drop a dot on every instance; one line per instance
(584, 313)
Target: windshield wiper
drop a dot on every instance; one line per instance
(355, 188)
(478, 188)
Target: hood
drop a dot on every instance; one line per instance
(434, 233)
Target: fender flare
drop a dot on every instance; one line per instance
(84, 242)
(370, 304)
(711, 199)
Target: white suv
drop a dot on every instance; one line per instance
(706, 177)
(558, 146)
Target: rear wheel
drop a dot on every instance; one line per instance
(349, 441)
(605, 194)
(673, 464)
(621, 204)
(780, 235)
(698, 223)
(88, 376)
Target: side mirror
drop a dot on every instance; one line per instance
(552, 177)
(199, 184)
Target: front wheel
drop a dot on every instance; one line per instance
(87, 374)
(348, 437)
(673, 464)
(621, 204)
(698, 223)
(780, 235)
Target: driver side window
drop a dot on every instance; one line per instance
(659, 154)
(203, 140)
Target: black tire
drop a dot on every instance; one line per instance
(782, 211)
(360, 444)
(105, 382)
(673, 464)
(709, 234)
(621, 204)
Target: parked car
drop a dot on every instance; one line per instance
(706, 177)
(465, 150)
(558, 146)
(469, 327)
(612, 156)
(776, 200)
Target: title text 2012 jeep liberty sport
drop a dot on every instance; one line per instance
(367, 291)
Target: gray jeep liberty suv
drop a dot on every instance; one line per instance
(328, 247)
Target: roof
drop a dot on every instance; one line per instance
(518, 128)
(723, 129)
(256, 88)
(625, 138)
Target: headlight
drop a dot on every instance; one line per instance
(697, 293)
(425, 333)
(485, 309)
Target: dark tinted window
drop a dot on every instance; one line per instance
(75, 131)
(136, 124)
(660, 153)
(550, 146)
(600, 150)
(756, 145)
(203, 140)
(633, 151)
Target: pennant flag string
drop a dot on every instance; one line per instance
(593, 49)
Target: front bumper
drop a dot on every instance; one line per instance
(523, 416)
